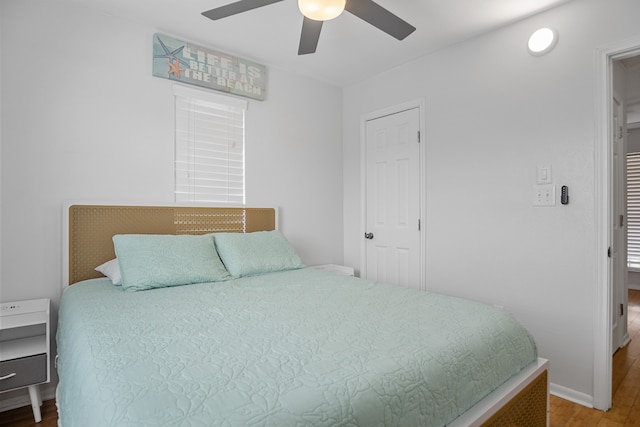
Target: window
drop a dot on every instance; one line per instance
(209, 144)
(633, 210)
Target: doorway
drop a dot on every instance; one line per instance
(606, 301)
(618, 253)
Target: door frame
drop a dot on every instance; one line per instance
(619, 287)
(602, 369)
(420, 105)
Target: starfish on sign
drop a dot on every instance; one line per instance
(170, 54)
(175, 68)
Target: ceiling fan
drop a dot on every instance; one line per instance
(317, 11)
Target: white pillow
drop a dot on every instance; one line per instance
(111, 269)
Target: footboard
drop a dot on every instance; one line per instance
(527, 409)
(522, 401)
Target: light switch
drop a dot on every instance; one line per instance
(543, 175)
(544, 195)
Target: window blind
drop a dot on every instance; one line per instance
(633, 210)
(209, 147)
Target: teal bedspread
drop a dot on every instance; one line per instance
(295, 348)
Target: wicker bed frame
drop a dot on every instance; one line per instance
(91, 228)
(522, 401)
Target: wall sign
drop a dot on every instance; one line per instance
(185, 62)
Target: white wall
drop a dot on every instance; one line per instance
(83, 118)
(633, 141)
(633, 95)
(493, 113)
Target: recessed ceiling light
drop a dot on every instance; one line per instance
(542, 41)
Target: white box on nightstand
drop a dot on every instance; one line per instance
(335, 268)
(24, 348)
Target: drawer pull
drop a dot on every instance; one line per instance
(6, 377)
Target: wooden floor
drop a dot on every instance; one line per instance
(23, 417)
(625, 410)
(626, 392)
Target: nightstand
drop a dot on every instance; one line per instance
(24, 348)
(335, 268)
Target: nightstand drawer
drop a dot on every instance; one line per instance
(27, 370)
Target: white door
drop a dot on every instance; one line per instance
(392, 191)
(619, 235)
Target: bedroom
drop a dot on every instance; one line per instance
(484, 143)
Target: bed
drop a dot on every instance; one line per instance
(267, 341)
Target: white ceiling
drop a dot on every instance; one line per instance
(349, 48)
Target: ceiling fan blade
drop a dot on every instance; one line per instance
(309, 37)
(380, 17)
(237, 7)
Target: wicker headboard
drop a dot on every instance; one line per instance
(91, 228)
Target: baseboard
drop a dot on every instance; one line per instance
(20, 398)
(571, 395)
(626, 340)
(634, 286)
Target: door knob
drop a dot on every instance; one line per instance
(368, 236)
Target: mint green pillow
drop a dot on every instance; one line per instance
(149, 261)
(250, 254)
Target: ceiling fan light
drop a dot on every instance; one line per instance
(321, 10)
